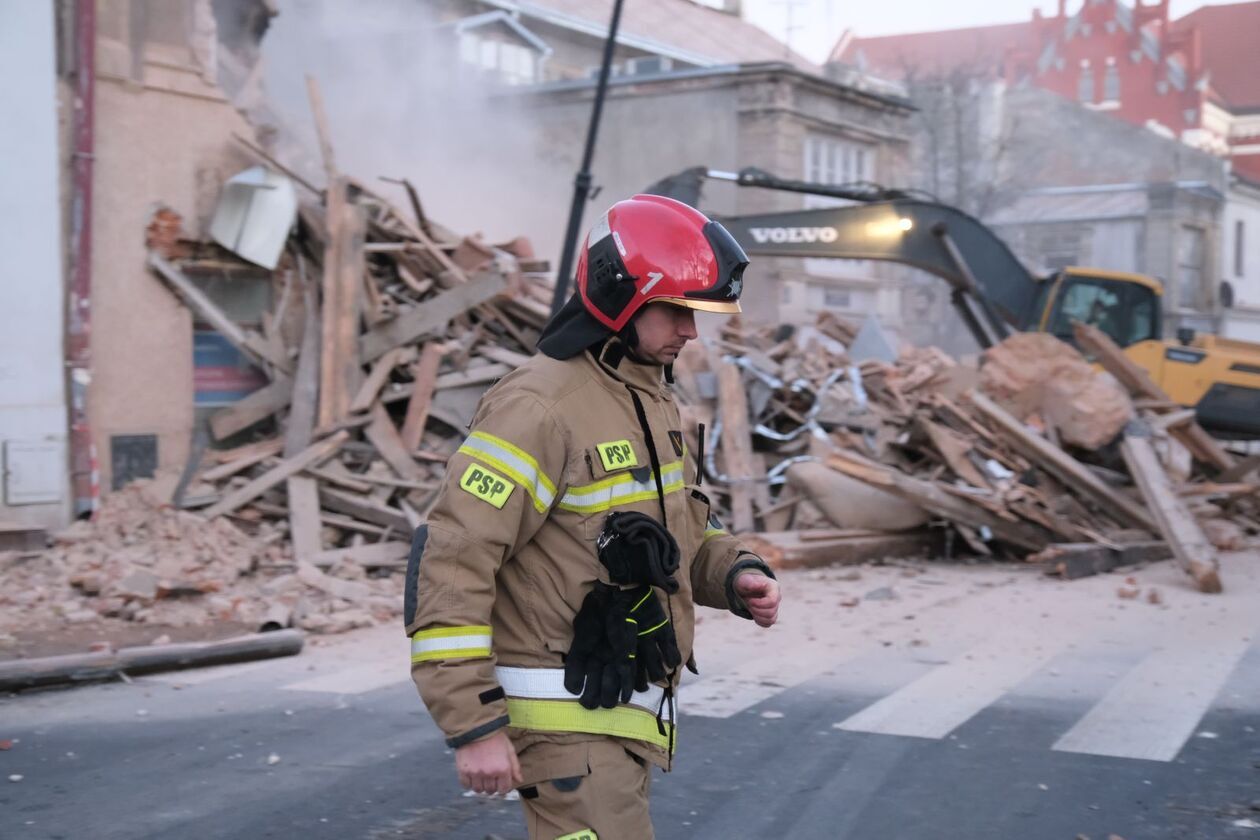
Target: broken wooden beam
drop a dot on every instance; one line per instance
(429, 320)
(736, 445)
(1063, 466)
(1109, 354)
(253, 345)
(252, 409)
(313, 454)
(933, 499)
(1192, 548)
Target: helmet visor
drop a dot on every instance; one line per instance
(731, 262)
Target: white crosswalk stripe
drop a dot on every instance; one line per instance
(948, 696)
(1156, 706)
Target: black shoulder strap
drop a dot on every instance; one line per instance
(651, 445)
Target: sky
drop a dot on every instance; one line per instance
(817, 24)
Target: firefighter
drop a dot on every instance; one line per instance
(550, 598)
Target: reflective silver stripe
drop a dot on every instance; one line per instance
(548, 684)
(609, 494)
(477, 641)
(498, 453)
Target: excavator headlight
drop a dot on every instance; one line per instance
(905, 224)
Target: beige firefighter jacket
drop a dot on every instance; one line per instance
(554, 448)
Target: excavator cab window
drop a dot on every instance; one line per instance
(1127, 312)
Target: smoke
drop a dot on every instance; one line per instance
(401, 104)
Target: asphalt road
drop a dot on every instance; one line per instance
(976, 703)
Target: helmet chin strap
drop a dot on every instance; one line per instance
(630, 339)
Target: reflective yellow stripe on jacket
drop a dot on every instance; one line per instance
(515, 463)
(621, 489)
(538, 700)
(450, 643)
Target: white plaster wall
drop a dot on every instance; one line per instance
(32, 395)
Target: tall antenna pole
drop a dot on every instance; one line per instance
(582, 183)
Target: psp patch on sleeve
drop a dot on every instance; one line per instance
(617, 455)
(490, 487)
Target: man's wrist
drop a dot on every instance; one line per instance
(745, 562)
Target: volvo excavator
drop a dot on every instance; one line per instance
(992, 290)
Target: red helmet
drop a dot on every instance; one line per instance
(651, 248)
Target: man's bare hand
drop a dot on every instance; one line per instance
(761, 595)
(488, 765)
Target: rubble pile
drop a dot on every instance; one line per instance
(150, 563)
(1036, 455)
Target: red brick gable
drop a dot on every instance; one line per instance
(980, 50)
(1229, 40)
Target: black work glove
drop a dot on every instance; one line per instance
(635, 548)
(656, 654)
(600, 664)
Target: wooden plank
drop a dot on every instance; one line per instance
(270, 446)
(253, 345)
(321, 128)
(953, 448)
(304, 524)
(1063, 466)
(339, 370)
(312, 454)
(384, 436)
(480, 375)
(805, 549)
(933, 499)
(1072, 561)
(1241, 470)
(503, 355)
(252, 409)
(381, 555)
(340, 478)
(1108, 354)
(255, 456)
(375, 380)
(305, 401)
(736, 444)
(1192, 548)
(364, 509)
(424, 372)
(429, 319)
(303, 493)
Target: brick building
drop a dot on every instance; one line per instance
(1196, 78)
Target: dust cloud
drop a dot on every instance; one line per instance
(401, 104)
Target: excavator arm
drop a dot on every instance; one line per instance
(992, 290)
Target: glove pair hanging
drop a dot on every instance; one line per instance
(622, 640)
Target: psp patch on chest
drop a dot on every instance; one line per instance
(617, 455)
(676, 441)
(488, 486)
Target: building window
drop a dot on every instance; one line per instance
(514, 64)
(832, 161)
(1059, 247)
(1239, 235)
(1190, 269)
(839, 298)
(785, 293)
(1085, 86)
(1111, 82)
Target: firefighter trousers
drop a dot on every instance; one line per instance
(603, 796)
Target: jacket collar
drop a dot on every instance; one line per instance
(612, 360)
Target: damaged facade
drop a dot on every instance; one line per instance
(124, 123)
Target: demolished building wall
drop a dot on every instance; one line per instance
(163, 139)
